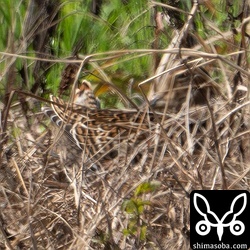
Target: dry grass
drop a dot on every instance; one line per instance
(50, 200)
(49, 203)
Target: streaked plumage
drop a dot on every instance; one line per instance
(96, 130)
(92, 129)
(101, 129)
(84, 96)
(64, 143)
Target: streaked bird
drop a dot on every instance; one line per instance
(84, 96)
(99, 131)
(64, 143)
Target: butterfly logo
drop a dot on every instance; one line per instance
(203, 227)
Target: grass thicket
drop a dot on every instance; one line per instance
(138, 199)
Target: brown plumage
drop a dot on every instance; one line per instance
(64, 144)
(84, 96)
(101, 129)
(96, 130)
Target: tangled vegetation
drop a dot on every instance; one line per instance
(185, 64)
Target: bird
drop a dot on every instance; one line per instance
(64, 145)
(84, 96)
(98, 131)
(101, 134)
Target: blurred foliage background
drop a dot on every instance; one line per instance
(49, 30)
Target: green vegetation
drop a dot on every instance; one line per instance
(185, 65)
(67, 28)
(135, 208)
